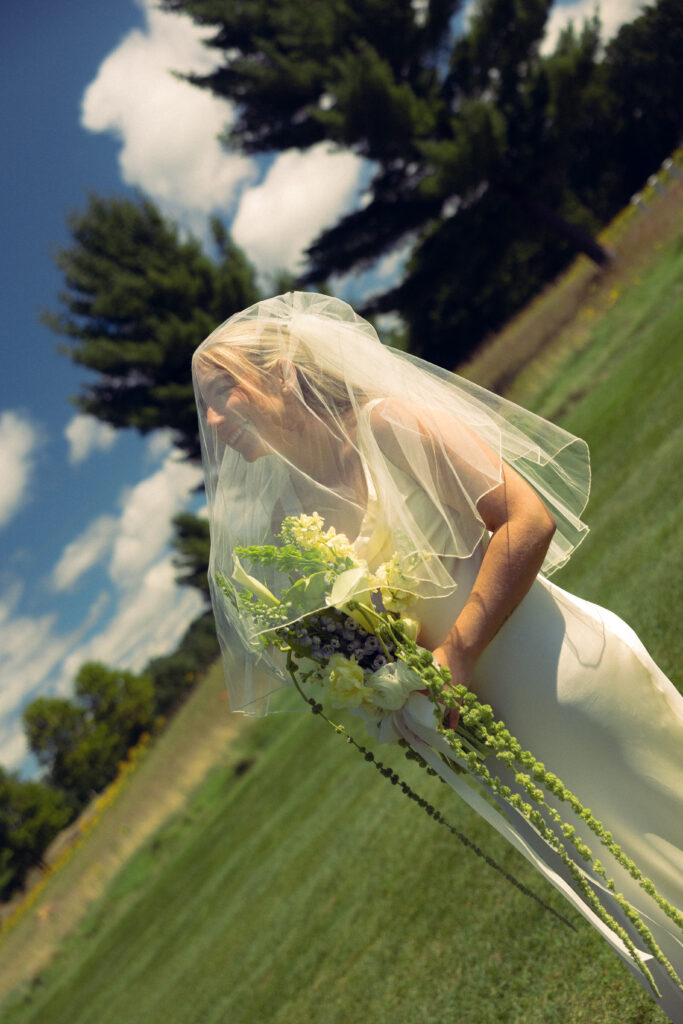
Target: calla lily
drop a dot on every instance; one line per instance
(353, 585)
(411, 627)
(255, 586)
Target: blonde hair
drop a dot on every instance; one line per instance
(253, 350)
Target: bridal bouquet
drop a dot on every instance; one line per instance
(359, 651)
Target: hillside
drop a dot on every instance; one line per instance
(293, 884)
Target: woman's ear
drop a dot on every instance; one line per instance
(287, 375)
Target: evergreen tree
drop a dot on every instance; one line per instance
(468, 132)
(192, 544)
(174, 675)
(200, 641)
(137, 301)
(644, 79)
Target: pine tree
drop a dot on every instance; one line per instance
(192, 544)
(469, 129)
(137, 301)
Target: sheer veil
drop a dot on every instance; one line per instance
(302, 409)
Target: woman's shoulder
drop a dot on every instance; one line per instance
(387, 415)
(397, 423)
(388, 419)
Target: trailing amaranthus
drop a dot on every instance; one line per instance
(356, 652)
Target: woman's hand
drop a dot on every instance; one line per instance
(521, 530)
(520, 526)
(460, 665)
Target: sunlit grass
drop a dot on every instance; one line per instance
(561, 317)
(307, 889)
(196, 739)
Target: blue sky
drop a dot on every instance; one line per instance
(88, 104)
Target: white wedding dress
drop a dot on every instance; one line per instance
(574, 685)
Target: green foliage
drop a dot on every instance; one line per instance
(645, 81)
(175, 675)
(53, 726)
(137, 301)
(374, 110)
(306, 874)
(452, 261)
(200, 640)
(496, 164)
(284, 60)
(192, 544)
(80, 743)
(122, 700)
(31, 815)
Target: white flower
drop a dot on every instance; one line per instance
(412, 628)
(251, 583)
(392, 684)
(355, 586)
(345, 682)
(309, 534)
(396, 582)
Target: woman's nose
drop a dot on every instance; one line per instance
(213, 418)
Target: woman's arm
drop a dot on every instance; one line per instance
(521, 530)
(521, 526)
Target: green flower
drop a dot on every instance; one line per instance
(345, 682)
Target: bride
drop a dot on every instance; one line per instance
(302, 409)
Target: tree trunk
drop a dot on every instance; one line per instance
(578, 237)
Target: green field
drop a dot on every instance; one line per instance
(307, 889)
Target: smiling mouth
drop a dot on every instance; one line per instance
(236, 434)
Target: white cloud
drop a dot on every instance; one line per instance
(159, 443)
(84, 552)
(167, 127)
(141, 533)
(169, 147)
(19, 440)
(13, 746)
(150, 611)
(145, 525)
(613, 14)
(148, 622)
(36, 661)
(30, 651)
(86, 435)
(302, 193)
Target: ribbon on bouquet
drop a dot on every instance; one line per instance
(414, 723)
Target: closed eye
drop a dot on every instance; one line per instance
(218, 394)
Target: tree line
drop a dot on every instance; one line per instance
(493, 162)
(79, 742)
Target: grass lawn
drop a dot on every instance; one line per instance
(306, 889)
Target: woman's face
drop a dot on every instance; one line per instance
(242, 416)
